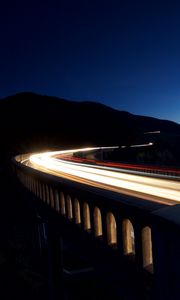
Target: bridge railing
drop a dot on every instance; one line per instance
(144, 234)
(142, 167)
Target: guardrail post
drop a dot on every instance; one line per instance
(166, 250)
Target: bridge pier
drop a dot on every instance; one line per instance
(166, 241)
(51, 250)
(54, 261)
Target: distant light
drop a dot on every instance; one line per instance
(153, 132)
(142, 145)
(109, 147)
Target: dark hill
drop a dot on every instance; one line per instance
(30, 122)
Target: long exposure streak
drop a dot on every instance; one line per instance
(105, 177)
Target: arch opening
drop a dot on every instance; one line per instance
(86, 217)
(47, 194)
(147, 248)
(37, 189)
(44, 193)
(97, 222)
(128, 237)
(56, 202)
(77, 211)
(51, 198)
(40, 191)
(62, 204)
(111, 229)
(69, 207)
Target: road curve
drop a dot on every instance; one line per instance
(111, 179)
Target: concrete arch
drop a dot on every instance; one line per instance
(86, 216)
(34, 186)
(47, 195)
(128, 237)
(37, 188)
(147, 247)
(69, 207)
(31, 187)
(41, 193)
(111, 229)
(62, 204)
(97, 222)
(56, 200)
(44, 193)
(40, 190)
(51, 198)
(77, 211)
(30, 184)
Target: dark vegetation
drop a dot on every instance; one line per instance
(164, 151)
(30, 122)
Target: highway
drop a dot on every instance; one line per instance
(163, 190)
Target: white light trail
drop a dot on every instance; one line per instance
(165, 189)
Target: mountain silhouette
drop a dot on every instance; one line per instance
(32, 122)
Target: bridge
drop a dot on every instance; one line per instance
(130, 234)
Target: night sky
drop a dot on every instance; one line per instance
(125, 54)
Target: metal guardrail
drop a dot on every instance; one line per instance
(144, 168)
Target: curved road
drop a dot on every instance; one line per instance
(162, 190)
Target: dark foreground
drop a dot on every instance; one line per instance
(22, 274)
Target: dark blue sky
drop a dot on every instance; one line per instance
(125, 54)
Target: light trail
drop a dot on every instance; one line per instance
(142, 186)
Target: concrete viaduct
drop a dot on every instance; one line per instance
(133, 244)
